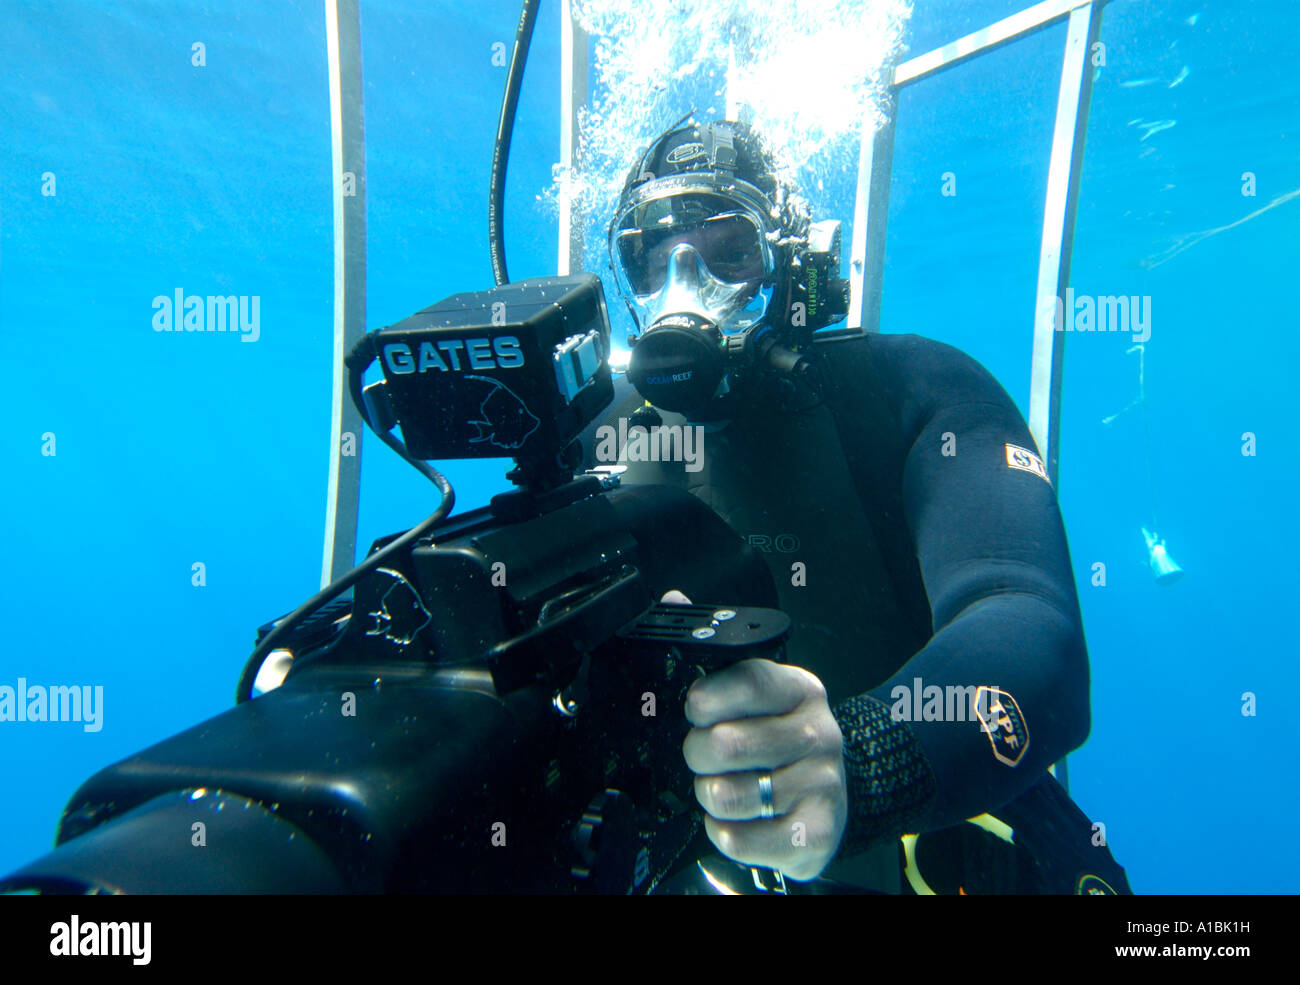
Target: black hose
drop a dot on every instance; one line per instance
(362, 354)
(501, 149)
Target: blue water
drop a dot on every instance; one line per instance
(173, 450)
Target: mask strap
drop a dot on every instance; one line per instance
(720, 146)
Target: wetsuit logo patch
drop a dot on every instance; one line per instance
(1026, 461)
(1090, 885)
(1002, 722)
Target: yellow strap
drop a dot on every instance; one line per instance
(994, 827)
(912, 872)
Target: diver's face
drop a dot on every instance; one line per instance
(690, 287)
(696, 255)
(731, 241)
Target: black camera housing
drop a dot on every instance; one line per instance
(449, 730)
(516, 371)
(498, 705)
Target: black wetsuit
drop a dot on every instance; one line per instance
(938, 437)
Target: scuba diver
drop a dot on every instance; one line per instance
(937, 667)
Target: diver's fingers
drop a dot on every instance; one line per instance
(799, 844)
(750, 688)
(760, 743)
(737, 796)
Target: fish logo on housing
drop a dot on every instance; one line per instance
(1001, 720)
(504, 420)
(401, 613)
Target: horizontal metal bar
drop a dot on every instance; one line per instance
(999, 33)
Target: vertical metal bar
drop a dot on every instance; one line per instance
(347, 135)
(573, 96)
(1072, 105)
(1058, 230)
(870, 221)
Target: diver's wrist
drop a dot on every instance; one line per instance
(891, 785)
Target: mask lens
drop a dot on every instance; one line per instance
(732, 247)
(730, 243)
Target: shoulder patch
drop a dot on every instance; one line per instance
(1026, 461)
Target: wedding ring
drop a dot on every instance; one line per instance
(767, 807)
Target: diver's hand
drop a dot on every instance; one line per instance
(757, 717)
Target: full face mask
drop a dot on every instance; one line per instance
(722, 267)
(698, 269)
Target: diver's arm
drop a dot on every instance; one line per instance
(996, 567)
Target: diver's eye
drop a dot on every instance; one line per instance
(733, 247)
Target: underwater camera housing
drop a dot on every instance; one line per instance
(498, 705)
(817, 282)
(517, 371)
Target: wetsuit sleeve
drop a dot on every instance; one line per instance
(1007, 630)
